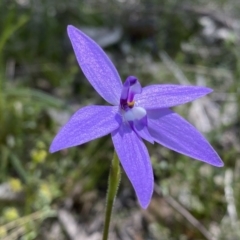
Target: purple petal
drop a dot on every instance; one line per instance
(174, 132)
(85, 125)
(164, 96)
(142, 130)
(137, 118)
(135, 160)
(96, 66)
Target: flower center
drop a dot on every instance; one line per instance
(135, 116)
(130, 88)
(131, 104)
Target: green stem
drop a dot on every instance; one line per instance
(113, 183)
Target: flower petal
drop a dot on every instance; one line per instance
(85, 125)
(96, 66)
(174, 132)
(164, 96)
(135, 160)
(142, 130)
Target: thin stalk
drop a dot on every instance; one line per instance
(113, 183)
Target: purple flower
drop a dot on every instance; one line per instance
(137, 113)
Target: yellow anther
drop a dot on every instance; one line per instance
(131, 104)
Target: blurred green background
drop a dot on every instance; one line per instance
(62, 195)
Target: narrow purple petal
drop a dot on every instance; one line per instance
(164, 96)
(140, 127)
(97, 67)
(174, 132)
(143, 132)
(135, 160)
(85, 125)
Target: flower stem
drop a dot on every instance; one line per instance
(113, 183)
